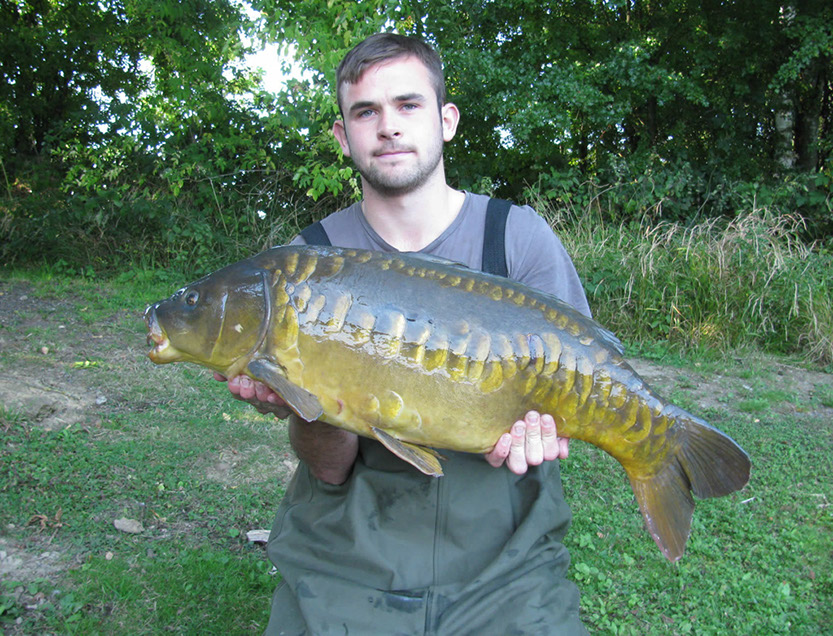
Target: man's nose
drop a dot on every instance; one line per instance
(390, 126)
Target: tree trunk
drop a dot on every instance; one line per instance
(784, 131)
(808, 117)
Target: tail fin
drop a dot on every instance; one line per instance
(708, 463)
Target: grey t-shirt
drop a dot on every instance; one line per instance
(534, 255)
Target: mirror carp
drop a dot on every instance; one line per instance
(423, 354)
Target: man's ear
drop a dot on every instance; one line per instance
(340, 133)
(450, 118)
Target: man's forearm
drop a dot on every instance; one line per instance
(328, 451)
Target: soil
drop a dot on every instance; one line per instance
(46, 341)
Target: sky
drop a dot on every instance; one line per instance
(269, 59)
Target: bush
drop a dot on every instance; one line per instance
(209, 222)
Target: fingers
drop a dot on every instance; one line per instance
(550, 442)
(533, 442)
(254, 392)
(500, 452)
(530, 442)
(234, 385)
(264, 394)
(247, 389)
(563, 447)
(516, 461)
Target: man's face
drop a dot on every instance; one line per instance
(393, 128)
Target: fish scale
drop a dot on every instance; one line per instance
(421, 354)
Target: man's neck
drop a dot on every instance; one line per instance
(412, 221)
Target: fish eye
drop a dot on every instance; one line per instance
(192, 297)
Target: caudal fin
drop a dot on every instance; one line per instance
(708, 463)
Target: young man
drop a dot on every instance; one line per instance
(365, 543)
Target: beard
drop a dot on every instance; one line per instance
(400, 181)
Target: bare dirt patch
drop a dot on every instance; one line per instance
(47, 403)
(756, 382)
(232, 466)
(40, 344)
(24, 566)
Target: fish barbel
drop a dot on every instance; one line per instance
(421, 354)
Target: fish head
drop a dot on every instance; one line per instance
(217, 321)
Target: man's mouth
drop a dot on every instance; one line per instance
(392, 152)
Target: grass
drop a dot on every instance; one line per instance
(718, 284)
(169, 448)
(758, 561)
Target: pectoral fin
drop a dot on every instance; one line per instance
(304, 403)
(424, 459)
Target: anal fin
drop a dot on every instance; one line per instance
(304, 403)
(423, 459)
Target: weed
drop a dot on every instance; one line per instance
(10, 418)
(825, 395)
(753, 406)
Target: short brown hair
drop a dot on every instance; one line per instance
(383, 47)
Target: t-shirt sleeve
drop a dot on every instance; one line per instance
(536, 257)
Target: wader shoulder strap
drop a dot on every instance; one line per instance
(315, 234)
(494, 239)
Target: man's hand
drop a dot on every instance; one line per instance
(530, 442)
(264, 399)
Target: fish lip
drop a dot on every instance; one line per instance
(156, 337)
(158, 341)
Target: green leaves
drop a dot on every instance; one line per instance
(135, 129)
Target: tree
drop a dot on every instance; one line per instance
(140, 111)
(59, 63)
(594, 88)
(145, 117)
(802, 86)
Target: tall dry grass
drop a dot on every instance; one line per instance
(720, 283)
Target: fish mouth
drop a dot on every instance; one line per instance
(159, 345)
(157, 339)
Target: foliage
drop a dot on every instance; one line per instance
(54, 82)
(182, 157)
(544, 86)
(134, 130)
